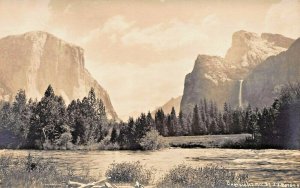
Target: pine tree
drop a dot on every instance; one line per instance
(211, 110)
(173, 124)
(150, 121)
(123, 135)
(196, 121)
(160, 122)
(141, 126)
(114, 135)
(237, 122)
(169, 126)
(6, 116)
(182, 124)
(253, 126)
(48, 119)
(75, 121)
(227, 117)
(214, 129)
(221, 124)
(131, 134)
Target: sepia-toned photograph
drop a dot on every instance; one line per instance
(149, 93)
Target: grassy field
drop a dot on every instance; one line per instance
(205, 141)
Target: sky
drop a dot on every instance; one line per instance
(141, 50)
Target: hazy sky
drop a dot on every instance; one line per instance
(140, 51)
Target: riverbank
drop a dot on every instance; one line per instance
(261, 165)
(202, 141)
(205, 141)
(38, 172)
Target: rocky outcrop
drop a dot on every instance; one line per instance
(247, 51)
(218, 79)
(266, 80)
(278, 40)
(34, 60)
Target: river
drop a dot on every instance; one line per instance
(261, 165)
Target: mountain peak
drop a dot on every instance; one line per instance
(243, 36)
(39, 37)
(37, 32)
(249, 49)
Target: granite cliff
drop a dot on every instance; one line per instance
(34, 60)
(221, 78)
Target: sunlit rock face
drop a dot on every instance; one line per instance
(216, 78)
(34, 60)
(167, 107)
(266, 80)
(249, 49)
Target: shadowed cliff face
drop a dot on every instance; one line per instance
(34, 60)
(218, 78)
(266, 80)
(207, 80)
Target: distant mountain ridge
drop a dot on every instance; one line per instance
(167, 107)
(33, 60)
(219, 79)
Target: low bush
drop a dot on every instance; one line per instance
(153, 141)
(248, 143)
(130, 172)
(210, 176)
(34, 172)
(106, 144)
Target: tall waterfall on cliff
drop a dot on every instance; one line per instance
(240, 94)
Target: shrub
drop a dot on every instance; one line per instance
(109, 146)
(248, 143)
(129, 172)
(106, 144)
(206, 177)
(152, 141)
(33, 172)
(64, 140)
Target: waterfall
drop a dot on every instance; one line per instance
(240, 94)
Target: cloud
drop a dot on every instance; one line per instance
(111, 28)
(116, 24)
(165, 36)
(282, 18)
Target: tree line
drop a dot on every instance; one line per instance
(277, 126)
(51, 123)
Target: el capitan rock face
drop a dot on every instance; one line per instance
(34, 60)
(219, 79)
